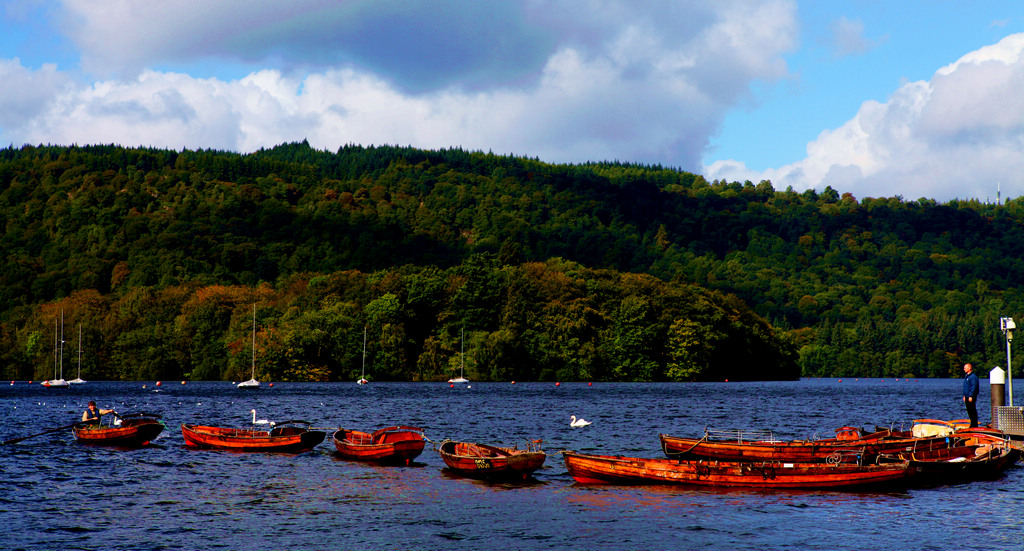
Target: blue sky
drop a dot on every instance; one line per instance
(876, 98)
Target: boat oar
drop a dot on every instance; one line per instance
(16, 440)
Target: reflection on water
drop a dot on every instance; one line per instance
(62, 495)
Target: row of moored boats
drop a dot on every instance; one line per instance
(932, 451)
(394, 445)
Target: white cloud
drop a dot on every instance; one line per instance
(645, 82)
(26, 93)
(954, 136)
(848, 37)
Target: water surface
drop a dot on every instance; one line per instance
(56, 494)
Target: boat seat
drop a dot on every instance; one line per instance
(923, 430)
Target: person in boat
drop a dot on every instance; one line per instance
(971, 394)
(92, 414)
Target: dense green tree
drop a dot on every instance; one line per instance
(540, 264)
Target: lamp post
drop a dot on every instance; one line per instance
(1007, 325)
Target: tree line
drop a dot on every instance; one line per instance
(870, 287)
(555, 320)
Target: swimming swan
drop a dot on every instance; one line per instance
(260, 422)
(578, 422)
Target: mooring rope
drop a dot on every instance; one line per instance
(664, 449)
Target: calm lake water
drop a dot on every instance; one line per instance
(56, 494)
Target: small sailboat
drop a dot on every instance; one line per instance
(362, 379)
(462, 361)
(252, 383)
(58, 357)
(78, 380)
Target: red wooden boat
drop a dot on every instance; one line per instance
(608, 469)
(963, 463)
(289, 438)
(976, 454)
(492, 462)
(739, 446)
(135, 430)
(399, 445)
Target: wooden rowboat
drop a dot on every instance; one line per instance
(397, 445)
(135, 430)
(735, 446)
(287, 438)
(977, 454)
(492, 462)
(963, 463)
(608, 469)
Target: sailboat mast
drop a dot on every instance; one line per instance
(254, 341)
(62, 344)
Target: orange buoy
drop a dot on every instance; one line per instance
(271, 385)
(513, 382)
(558, 384)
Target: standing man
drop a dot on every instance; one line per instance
(971, 394)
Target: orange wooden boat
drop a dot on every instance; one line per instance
(609, 469)
(398, 445)
(977, 454)
(492, 462)
(762, 446)
(963, 463)
(288, 438)
(135, 430)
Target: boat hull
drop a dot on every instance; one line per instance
(251, 384)
(490, 462)
(282, 439)
(391, 445)
(607, 469)
(132, 433)
(834, 450)
(979, 457)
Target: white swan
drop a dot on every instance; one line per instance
(577, 422)
(260, 422)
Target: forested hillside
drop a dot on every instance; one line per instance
(605, 271)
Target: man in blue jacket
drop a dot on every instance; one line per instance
(971, 394)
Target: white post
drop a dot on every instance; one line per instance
(997, 393)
